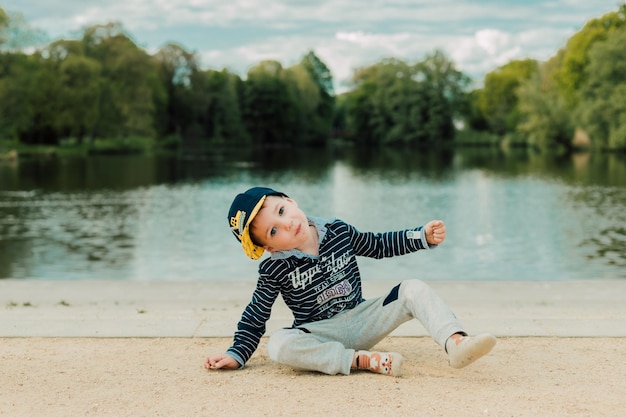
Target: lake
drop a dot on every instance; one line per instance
(514, 215)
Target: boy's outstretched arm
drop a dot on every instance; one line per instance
(222, 361)
(435, 231)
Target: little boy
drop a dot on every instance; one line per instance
(312, 264)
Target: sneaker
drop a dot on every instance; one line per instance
(386, 363)
(467, 349)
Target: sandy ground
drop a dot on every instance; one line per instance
(164, 377)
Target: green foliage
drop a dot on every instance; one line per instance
(268, 108)
(320, 116)
(449, 83)
(221, 119)
(397, 103)
(572, 73)
(178, 72)
(128, 99)
(16, 113)
(4, 24)
(274, 106)
(104, 92)
(305, 97)
(544, 118)
(580, 90)
(320, 73)
(28, 91)
(471, 113)
(498, 101)
(127, 145)
(602, 95)
(79, 96)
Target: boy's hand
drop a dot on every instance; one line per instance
(435, 231)
(222, 361)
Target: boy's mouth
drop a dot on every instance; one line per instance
(298, 229)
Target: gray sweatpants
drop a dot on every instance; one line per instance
(328, 346)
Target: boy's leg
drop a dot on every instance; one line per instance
(315, 352)
(425, 305)
(311, 350)
(328, 346)
(408, 300)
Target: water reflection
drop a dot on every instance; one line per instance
(515, 215)
(607, 218)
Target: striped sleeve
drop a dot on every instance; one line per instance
(387, 244)
(252, 325)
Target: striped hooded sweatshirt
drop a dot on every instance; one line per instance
(317, 287)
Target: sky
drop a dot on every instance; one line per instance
(478, 36)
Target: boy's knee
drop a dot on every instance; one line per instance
(413, 288)
(408, 290)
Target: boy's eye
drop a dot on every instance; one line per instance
(281, 211)
(273, 231)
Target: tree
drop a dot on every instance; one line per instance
(320, 127)
(447, 92)
(397, 103)
(543, 114)
(572, 73)
(379, 105)
(4, 24)
(16, 113)
(321, 74)
(361, 113)
(178, 71)
(29, 89)
(450, 84)
(472, 115)
(498, 101)
(79, 96)
(602, 107)
(221, 117)
(268, 110)
(313, 107)
(132, 91)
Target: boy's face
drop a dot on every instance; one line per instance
(280, 225)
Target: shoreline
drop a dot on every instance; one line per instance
(99, 308)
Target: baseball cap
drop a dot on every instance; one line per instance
(242, 211)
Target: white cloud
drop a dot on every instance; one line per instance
(492, 40)
(394, 43)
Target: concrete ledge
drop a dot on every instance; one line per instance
(31, 308)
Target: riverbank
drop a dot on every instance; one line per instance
(123, 146)
(106, 308)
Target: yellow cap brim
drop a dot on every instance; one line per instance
(249, 248)
(253, 251)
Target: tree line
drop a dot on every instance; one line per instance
(575, 99)
(103, 87)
